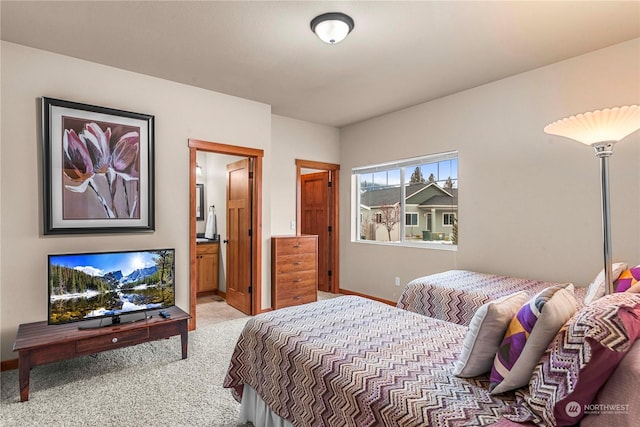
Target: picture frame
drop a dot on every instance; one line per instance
(199, 202)
(98, 169)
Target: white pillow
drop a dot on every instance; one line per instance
(485, 333)
(597, 287)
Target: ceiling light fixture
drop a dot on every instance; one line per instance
(332, 27)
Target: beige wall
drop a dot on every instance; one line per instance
(529, 202)
(295, 139)
(181, 112)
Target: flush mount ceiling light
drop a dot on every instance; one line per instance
(332, 27)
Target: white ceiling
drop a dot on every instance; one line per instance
(399, 54)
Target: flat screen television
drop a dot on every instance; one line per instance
(109, 287)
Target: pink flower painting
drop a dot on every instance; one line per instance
(101, 170)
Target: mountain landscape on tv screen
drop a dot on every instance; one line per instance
(78, 292)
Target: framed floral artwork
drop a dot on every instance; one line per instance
(98, 172)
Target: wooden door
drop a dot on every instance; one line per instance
(239, 235)
(314, 209)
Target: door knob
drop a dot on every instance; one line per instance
(225, 241)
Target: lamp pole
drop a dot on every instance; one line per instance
(604, 150)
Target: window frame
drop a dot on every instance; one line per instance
(448, 215)
(413, 214)
(357, 221)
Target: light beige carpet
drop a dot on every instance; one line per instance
(144, 385)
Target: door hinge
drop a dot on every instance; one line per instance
(329, 229)
(250, 289)
(249, 232)
(329, 273)
(250, 175)
(330, 184)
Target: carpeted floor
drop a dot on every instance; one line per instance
(144, 385)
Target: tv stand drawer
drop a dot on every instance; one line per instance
(114, 340)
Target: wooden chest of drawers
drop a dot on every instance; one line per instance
(294, 270)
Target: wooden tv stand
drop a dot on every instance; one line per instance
(39, 343)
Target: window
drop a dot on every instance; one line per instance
(447, 219)
(411, 218)
(411, 202)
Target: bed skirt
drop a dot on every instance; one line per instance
(254, 410)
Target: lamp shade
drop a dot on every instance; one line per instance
(332, 27)
(607, 125)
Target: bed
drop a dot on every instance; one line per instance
(359, 363)
(351, 361)
(455, 295)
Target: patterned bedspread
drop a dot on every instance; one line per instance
(455, 295)
(350, 361)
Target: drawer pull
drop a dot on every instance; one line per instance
(114, 340)
(297, 297)
(297, 280)
(297, 263)
(297, 245)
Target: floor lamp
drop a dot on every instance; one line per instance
(601, 129)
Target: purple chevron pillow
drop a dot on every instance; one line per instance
(627, 279)
(528, 336)
(581, 359)
(485, 333)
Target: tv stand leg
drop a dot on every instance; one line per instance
(184, 338)
(24, 371)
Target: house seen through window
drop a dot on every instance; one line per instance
(412, 201)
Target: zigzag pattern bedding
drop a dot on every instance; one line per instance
(350, 361)
(455, 295)
(579, 361)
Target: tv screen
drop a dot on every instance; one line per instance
(108, 284)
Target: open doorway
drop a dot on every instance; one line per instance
(217, 296)
(249, 271)
(317, 213)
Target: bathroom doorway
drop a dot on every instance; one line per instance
(247, 293)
